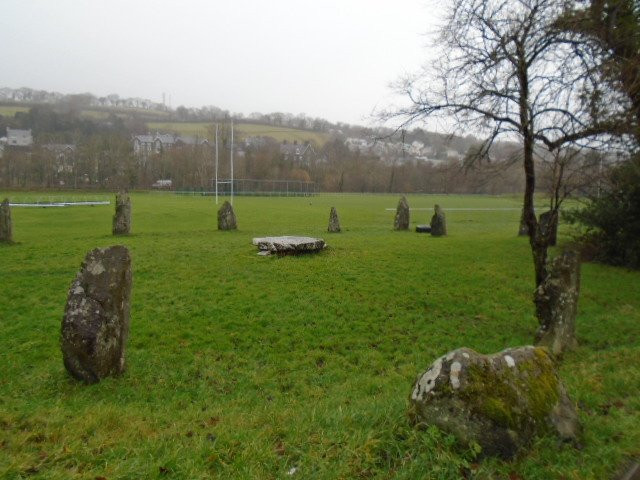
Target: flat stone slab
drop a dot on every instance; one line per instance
(423, 228)
(289, 245)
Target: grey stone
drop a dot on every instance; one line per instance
(438, 222)
(401, 220)
(122, 217)
(334, 223)
(632, 471)
(289, 245)
(423, 228)
(226, 217)
(556, 300)
(549, 226)
(96, 320)
(523, 229)
(6, 227)
(500, 401)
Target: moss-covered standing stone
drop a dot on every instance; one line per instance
(122, 217)
(556, 302)
(549, 226)
(401, 220)
(499, 401)
(334, 223)
(438, 222)
(6, 227)
(95, 325)
(226, 217)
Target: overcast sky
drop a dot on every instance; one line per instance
(328, 58)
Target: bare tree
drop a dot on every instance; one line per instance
(507, 71)
(612, 27)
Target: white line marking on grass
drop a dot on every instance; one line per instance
(56, 204)
(464, 209)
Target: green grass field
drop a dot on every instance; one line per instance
(248, 367)
(242, 130)
(10, 110)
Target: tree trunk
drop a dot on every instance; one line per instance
(556, 294)
(536, 240)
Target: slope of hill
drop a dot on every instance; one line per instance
(242, 130)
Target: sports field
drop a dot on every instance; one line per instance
(248, 367)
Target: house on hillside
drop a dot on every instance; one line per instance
(297, 152)
(142, 145)
(60, 150)
(16, 139)
(64, 155)
(145, 145)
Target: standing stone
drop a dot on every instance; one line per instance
(523, 230)
(95, 326)
(6, 227)
(226, 217)
(549, 222)
(438, 222)
(500, 401)
(122, 217)
(334, 223)
(401, 222)
(556, 302)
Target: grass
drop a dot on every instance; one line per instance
(98, 113)
(242, 130)
(241, 366)
(105, 112)
(10, 110)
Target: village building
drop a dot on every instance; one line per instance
(145, 145)
(63, 153)
(16, 139)
(297, 152)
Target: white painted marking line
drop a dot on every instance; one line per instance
(464, 209)
(56, 204)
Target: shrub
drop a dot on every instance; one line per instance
(611, 221)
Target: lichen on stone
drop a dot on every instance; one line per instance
(498, 401)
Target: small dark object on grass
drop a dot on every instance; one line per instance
(423, 228)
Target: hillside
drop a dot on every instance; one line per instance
(242, 130)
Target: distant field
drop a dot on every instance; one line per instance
(10, 110)
(103, 113)
(242, 130)
(245, 367)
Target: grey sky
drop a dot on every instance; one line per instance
(330, 58)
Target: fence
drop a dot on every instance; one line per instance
(265, 188)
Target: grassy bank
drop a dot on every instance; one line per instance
(241, 366)
(242, 130)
